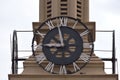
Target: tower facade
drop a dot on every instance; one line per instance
(73, 8)
(78, 9)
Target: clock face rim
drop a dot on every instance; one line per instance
(49, 67)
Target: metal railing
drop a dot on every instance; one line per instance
(112, 51)
(16, 51)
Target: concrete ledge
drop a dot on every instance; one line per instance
(63, 77)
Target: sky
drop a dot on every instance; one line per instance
(19, 15)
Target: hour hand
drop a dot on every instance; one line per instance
(52, 45)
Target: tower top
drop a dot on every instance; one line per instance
(73, 8)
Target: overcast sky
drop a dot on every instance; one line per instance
(19, 15)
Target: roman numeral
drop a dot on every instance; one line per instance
(75, 24)
(49, 67)
(84, 33)
(63, 70)
(40, 58)
(63, 21)
(84, 57)
(41, 34)
(50, 24)
(76, 67)
(87, 45)
(37, 47)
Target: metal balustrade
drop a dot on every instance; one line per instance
(16, 52)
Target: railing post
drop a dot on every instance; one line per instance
(14, 53)
(113, 53)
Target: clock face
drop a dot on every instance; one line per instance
(62, 45)
(63, 50)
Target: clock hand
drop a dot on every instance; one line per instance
(61, 37)
(52, 45)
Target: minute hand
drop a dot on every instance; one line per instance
(61, 37)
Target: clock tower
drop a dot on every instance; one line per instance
(63, 44)
(73, 8)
